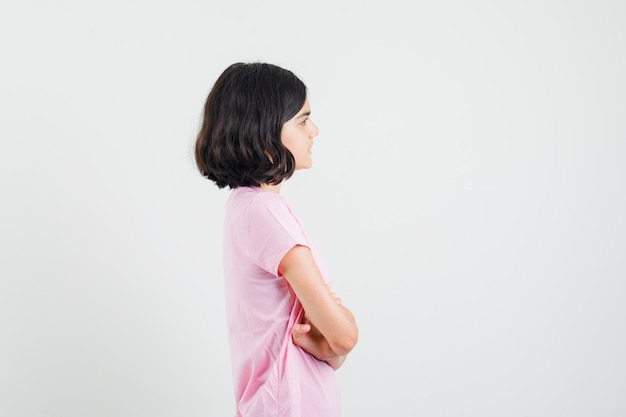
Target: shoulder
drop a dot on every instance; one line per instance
(254, 209)
(264, 204)
(246, 198)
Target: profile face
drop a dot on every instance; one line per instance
(297, 136)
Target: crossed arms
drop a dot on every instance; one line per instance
(328, 330)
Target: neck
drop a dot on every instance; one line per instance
(270, 188)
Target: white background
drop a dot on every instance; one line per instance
(468, 193)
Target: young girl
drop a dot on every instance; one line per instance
(288, 332)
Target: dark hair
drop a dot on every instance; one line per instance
(239, 141)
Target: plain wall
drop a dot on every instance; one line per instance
(468, 193)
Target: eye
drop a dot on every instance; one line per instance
(303, 122)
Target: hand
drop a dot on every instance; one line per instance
(308, 337)
(311, 340)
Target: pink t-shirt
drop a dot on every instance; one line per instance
(272, 376)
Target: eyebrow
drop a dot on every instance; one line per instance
(305, 114)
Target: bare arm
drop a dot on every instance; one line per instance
(335, 323)
(309, 338)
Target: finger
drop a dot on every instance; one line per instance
(298, 332)
(301, 328)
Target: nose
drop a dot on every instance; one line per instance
(314, 131)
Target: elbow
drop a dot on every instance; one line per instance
(346, 342)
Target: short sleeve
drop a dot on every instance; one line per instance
(272, 230)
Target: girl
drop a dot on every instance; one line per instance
(288, 332)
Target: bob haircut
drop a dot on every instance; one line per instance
(239, 142)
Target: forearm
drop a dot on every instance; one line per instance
(348, 339)
(324, 353)
(308, 337)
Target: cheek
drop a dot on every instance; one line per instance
(288, 141)
(293, 145)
